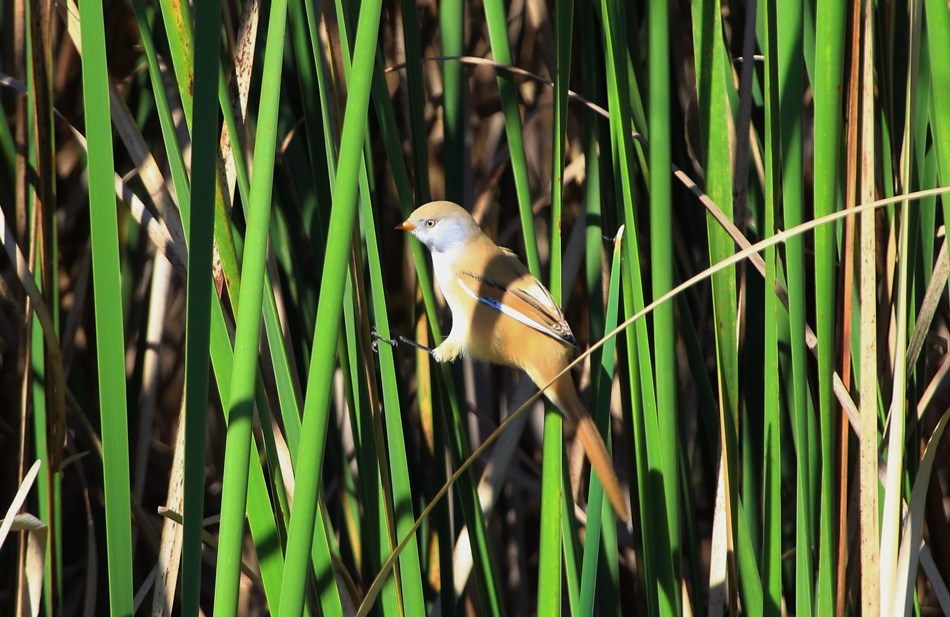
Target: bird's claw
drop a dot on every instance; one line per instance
(377, 338)
(394, 342)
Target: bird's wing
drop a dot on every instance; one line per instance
(508, 287)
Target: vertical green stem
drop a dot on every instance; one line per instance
(451, 22)
(789, 35)
(772, 442)
(497, 22)
(247, 336)
(198, 309)
(552, 484)
(110, 341)
(319, 381)
(829, 67)
(664, 459)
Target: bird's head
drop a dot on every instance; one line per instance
(442, 226)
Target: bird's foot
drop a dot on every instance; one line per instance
(394, 342)
(377, 338)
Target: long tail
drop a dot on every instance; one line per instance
(563, 394)
(600, 461)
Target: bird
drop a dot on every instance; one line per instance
(502, 314)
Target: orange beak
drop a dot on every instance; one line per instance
(406, 226)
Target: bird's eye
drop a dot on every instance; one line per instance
(430, 223)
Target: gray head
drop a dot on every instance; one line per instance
(441, 225)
